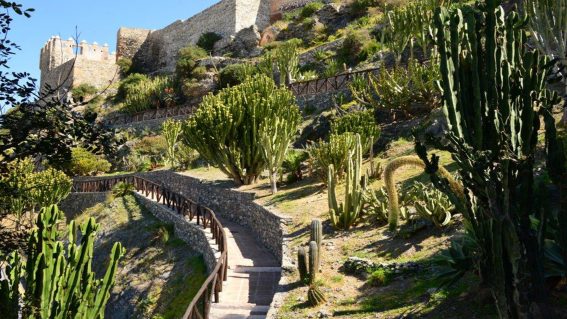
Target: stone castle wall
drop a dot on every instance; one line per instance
(152, 52)
(158, 52)
(65, 63)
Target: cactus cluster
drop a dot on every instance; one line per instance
(346, 214)
(308, 265)
(57, 282)
(494, 95)
(226, 128)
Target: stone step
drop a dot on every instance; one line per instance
(252, 269)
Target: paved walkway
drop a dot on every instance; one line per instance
(253, 273)
(253, 276)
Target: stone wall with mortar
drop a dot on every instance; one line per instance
(159, 51)
(190, 233)
(129, 41)
(230, 204)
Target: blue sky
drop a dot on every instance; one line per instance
(96, 21)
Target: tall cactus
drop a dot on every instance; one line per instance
(58, 282)
(548, 26)
(346, 214)
(226, 128)
(316, 232)
(276, 133)
(302, 264)
(171, 130)
(494, 95)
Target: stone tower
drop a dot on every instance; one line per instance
(65, 64)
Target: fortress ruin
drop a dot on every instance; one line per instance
(153, 51)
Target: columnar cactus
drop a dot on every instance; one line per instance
(316, 232)
(346, 214)
(302, 264)
(226, 128)
(171, 130)
(494, 97)
(58, 282)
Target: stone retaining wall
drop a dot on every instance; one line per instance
(76, 203)
(230, 204)
(190, 233)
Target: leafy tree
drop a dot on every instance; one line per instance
(226, 128)
(84, 163)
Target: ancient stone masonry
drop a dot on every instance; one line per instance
(153, 51)
(66, 64)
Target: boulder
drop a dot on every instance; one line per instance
(332, 17)
(269, 35)
(246, 43)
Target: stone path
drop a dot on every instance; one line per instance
(253, 275)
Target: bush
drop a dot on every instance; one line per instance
(207, 41)
(147, 94)
(333, 68)
(80, 92)
(379, 278)
(310, 8)
(283, 59)
(122, 189)
(187, 61)
(124, 65)
(400, 88)
(128, 84)
(351, 52)
(226, 129)
(85, 163)
(335, 151)
(235, 74)
(292, 164)
(361, 122)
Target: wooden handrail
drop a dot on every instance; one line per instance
(209, 291)
(331, 84)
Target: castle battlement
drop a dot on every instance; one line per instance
(57, 52)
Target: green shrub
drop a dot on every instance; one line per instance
(122, 189)
(151, 93)
(309, 9)
(400, 88)
(361, 122)
(292, 164)
(334, 152)
(235, 74)
(333, 68)
(80, 92)
(84, 163)
(128, 84)
(187, 61)
(227, 128)
(124, 65)
(207, 41)
(137, 162)
(379, 278)
(352, 50)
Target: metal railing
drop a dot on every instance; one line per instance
(199, 307)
